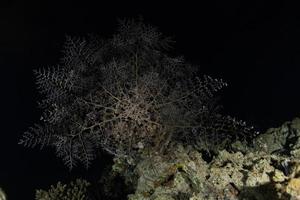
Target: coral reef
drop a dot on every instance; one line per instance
(184, 174)
(127, 96)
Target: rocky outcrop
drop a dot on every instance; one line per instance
(282, 140)
(270, 171)
(185, 175)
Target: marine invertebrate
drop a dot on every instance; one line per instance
(125, 94)
(76, 190)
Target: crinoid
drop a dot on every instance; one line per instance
(125, 94)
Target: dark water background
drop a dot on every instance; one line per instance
(255, 47)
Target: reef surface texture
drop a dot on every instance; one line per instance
(269, 170)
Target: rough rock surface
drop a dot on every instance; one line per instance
(282, 140)
(271, 171)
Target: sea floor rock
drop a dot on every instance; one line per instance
(229, 176)
(270, 170)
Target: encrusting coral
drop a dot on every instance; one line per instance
(74, 191)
